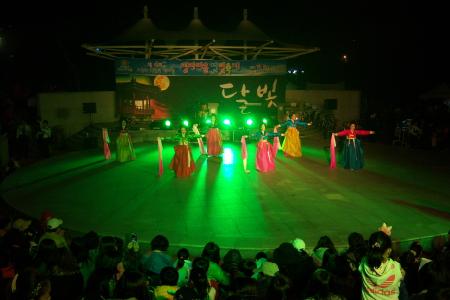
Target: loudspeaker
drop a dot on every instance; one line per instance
(330, 104)
(89, 107)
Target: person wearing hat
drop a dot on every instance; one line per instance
(55, 233)
(300, 245)
(17, 236)
(269, 269)
(265, 276)
(292, 263)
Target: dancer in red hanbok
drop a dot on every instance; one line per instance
(182, 162)
(214, 138)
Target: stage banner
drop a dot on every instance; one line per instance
(244, 90)
(200, 67)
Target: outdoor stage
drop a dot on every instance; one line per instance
(406, 189)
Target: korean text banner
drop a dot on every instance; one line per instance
(141, 66)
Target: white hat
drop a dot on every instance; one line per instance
(268, 268)
(54, 223)
(299, 244)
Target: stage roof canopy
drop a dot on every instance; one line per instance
(246, 42)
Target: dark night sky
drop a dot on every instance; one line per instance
(396, 50)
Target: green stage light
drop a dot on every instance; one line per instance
(208, 121)
(186, 123)
(249, 122)
(264, 121)
(167, 123)
(227, 122)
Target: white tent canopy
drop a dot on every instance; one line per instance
(145, 40)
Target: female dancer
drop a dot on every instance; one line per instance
(265, 151)
(214, 138)
(125, 150)
(182, 162)
(291, 144)
(106, 142)
(353, 153)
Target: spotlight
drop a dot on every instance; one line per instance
(249, 122)
(264, 121)
(227, 122)
(167, 123)
(186, 123)
(208, 121)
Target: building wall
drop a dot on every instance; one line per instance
(348, 102)
(65, 109)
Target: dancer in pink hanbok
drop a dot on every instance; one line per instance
(265, 151)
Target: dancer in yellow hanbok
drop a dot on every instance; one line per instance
(291, 144)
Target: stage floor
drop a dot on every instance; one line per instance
(302, 198)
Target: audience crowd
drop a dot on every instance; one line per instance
(40, 261)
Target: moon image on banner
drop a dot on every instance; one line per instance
(162, 82)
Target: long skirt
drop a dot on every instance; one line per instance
(125, 150)
(106, 151)
(353, 155)
(183, 162)
(265, 156)
(291, 144)
(214, 141)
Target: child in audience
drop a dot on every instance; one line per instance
(381, 276)
(184, 266)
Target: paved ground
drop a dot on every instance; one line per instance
(408, 189)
